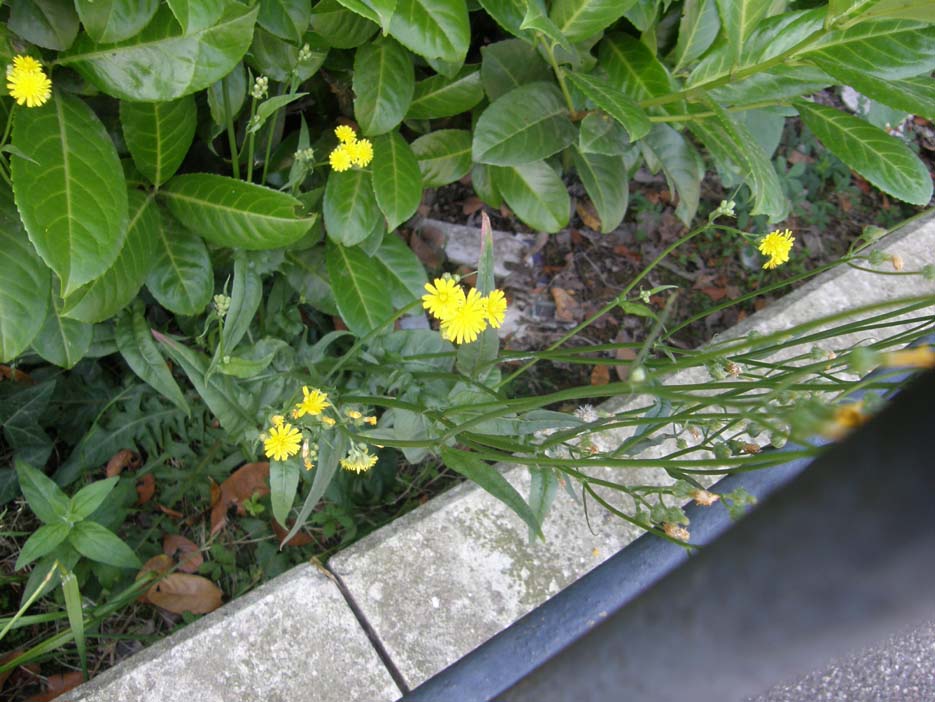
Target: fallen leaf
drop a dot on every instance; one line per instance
(245, 482)
(160, 565)
(58, 684)
(145, 488)
(471, 205)
(714, 293)
(624, 354)
(567, 308)
(300, 538)
(183, 592)
(174, 513)
(189, 555)
(588, 214)
(124, 458)
(15, 374)
(600, 375)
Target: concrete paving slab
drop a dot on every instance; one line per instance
(294, 638)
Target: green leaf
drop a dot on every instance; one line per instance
(440, 96)
(246, 293)
(218, 391)
(914, 95)
(21, 415)
(62, 341)
(632, 69)
(73, 199)
(738, 18)
(234, 213)
(697, 30)
(580, 19)
(886, 48)
(51, 24)
(778, 83)
(159, 134)
(269, 107)
(364, 9)
(115, 20)
(181, 278)
(93, 541)
(509, 64)
(278, 60)
(535, 193)
(136, 345)
(24, 284)
(433, 28)
(350, 207)
(599, 134)
(359, 288)
(614, 103)
(527, 124)
(287, 19)
(105, 296)
(482, 182)
(45, 498)
(90, 497)
(162, 63)
(195, 15)
(491, 480)
(543, 485)
(537, 20)
(883, 160)
(397, 180)
(384, 81)
(444, 156)
(235, 83)
(43, 541)
(605, 181)
(341, 28)
(681, 164)
(73, 607)
(283, 484)
(402, 269)
(332, 447)
(903, 9)
(509, 14)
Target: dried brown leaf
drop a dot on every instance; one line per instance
(124, 458)
(183, 592)
(58, 684)
(184, 550)
(248, 480)
(300, 538)
(600, 375)
(145, 488)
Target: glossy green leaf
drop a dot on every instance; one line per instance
(632, 68)
(599, 134)
(332, 447)
(234, 84)
(219, 393)
(287, 19)
(913, 95)
(359, 288)
(136, 345)
(698, 28)
(614, 103)
(45, 498)
(181, 278)
(105, 296)
(383, 83)
(158, 135)
(379, 11)
(543, 485)
(509, 64)
(73, 199)
(278, 59)
(402, 269)
(90, 497)
(99, 544)
(776, 84)
(350, 208)
(270, 107)
(683, 167)
(605, 180)
(527, 124)
(440, 96)
(283, 485)
(491, 480)
(886, 48)
(903, 9)
(115, 20)
(62, 341)
(234, 213)
(24, 283)
(43, 541)
(397, 180)
(444, 156)
(883, 160)
(246, 294)
(482, 182)
(537, 19)
(340, 27)
(51, 24)
(535, 193)
(738, 18)
(162, 63)
(509, 14)
(433, 28)
(580, 19)
(195, 15)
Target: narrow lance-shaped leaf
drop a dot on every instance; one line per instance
(283, 483)
(159, 135)
(914, 95)
(246, 293)
(71, 195)
(332, 446)
(138, 349)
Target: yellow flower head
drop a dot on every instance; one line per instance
(313, 402)
(345, 134)
(777, 246)
(27, 82)
(496, 308)
(283, 441)
(919, 357)
(467, 321)
(354, 414)
(340, 159)
(358, 460)
(372, 421)
(443, 298)
(361, 152)
(277, 420)
(327, 421)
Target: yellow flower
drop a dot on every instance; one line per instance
(313, 402)
(345, 134)
(496, 308)
(777, 246)
(444, 297)
(467, 321)
(354, 414)
(283, 441)
(372, 421)
(919, 357)
(361, 152)
(327, 421)
(27, 82)
(277, 420)
(340, 159)
(358, 460)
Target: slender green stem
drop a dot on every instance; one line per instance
(32, 598)
(231, 133)
(559, 75)
(251, 141)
